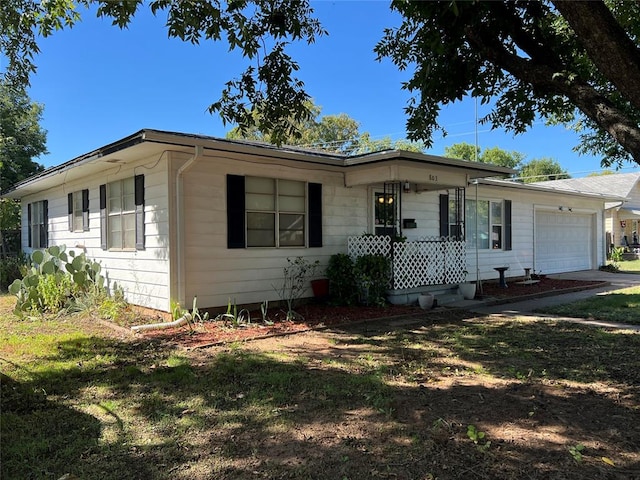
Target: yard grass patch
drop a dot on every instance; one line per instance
(621, 306)
(368, 402)
(629, 266)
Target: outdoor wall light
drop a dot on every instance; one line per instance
(406, 187)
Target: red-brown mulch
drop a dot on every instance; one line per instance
(318, 315)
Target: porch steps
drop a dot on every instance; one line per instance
(443, 294)
(446, 298)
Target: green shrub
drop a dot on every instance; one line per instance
(11, 270)
(373, 273)
(342, 279)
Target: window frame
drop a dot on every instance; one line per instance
(277, 210)
(121, 215)
(38, 224)
(504, 224)
(78, 211)
(236, 213)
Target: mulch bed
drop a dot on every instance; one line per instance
(317, 315)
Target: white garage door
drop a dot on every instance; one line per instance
(563, 242)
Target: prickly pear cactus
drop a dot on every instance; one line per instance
(56, 279)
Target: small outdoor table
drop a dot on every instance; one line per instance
(501, 270)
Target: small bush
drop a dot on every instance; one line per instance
(342, 279)
(373, 273)
(11, 269)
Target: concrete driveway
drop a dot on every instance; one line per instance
(525, 308)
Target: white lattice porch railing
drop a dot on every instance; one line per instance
(428, 261)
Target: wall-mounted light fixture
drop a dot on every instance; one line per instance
(406, 187)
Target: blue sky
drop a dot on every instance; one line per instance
(99, 83)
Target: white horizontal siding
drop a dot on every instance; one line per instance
(522, 255)
(215, 273)
(144, 274)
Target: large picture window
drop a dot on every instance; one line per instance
(38, 224)
(275, 212)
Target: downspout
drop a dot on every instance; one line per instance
(197, 155)
(478, 281)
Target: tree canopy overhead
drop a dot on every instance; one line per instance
(576, 63)
(531, 58)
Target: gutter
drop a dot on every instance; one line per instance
(198, 153)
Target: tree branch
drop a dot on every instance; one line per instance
(606, 43)
(547, 80)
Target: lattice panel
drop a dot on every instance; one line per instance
(427, 261)
(369, 245)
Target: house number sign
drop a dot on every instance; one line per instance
(433, 178)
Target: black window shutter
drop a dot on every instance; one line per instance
(444, 215)
(103, 217)
(235, 211)
(85, 210)
(315, 214)
(44, 231)
(507, 226)
(70, 210)
(30, 225)
(139, 194)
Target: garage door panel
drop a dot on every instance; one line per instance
(563, 242)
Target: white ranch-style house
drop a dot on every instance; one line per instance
(171, 216)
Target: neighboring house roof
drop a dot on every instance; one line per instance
(149, 142)
(542, 187)
(620, 183)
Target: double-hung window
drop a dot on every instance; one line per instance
(37, 213)
(78, 203)
(276, 212)
(121, 214)
(488, 224)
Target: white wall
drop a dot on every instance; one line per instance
(143, 274)
(215, 273)
(524, 204)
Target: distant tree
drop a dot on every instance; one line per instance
(21, 137)
(497, 156)
(494, 155)
(603, 172)
(539, 170)
(332, 133)
(366, 144)
(463, 151)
